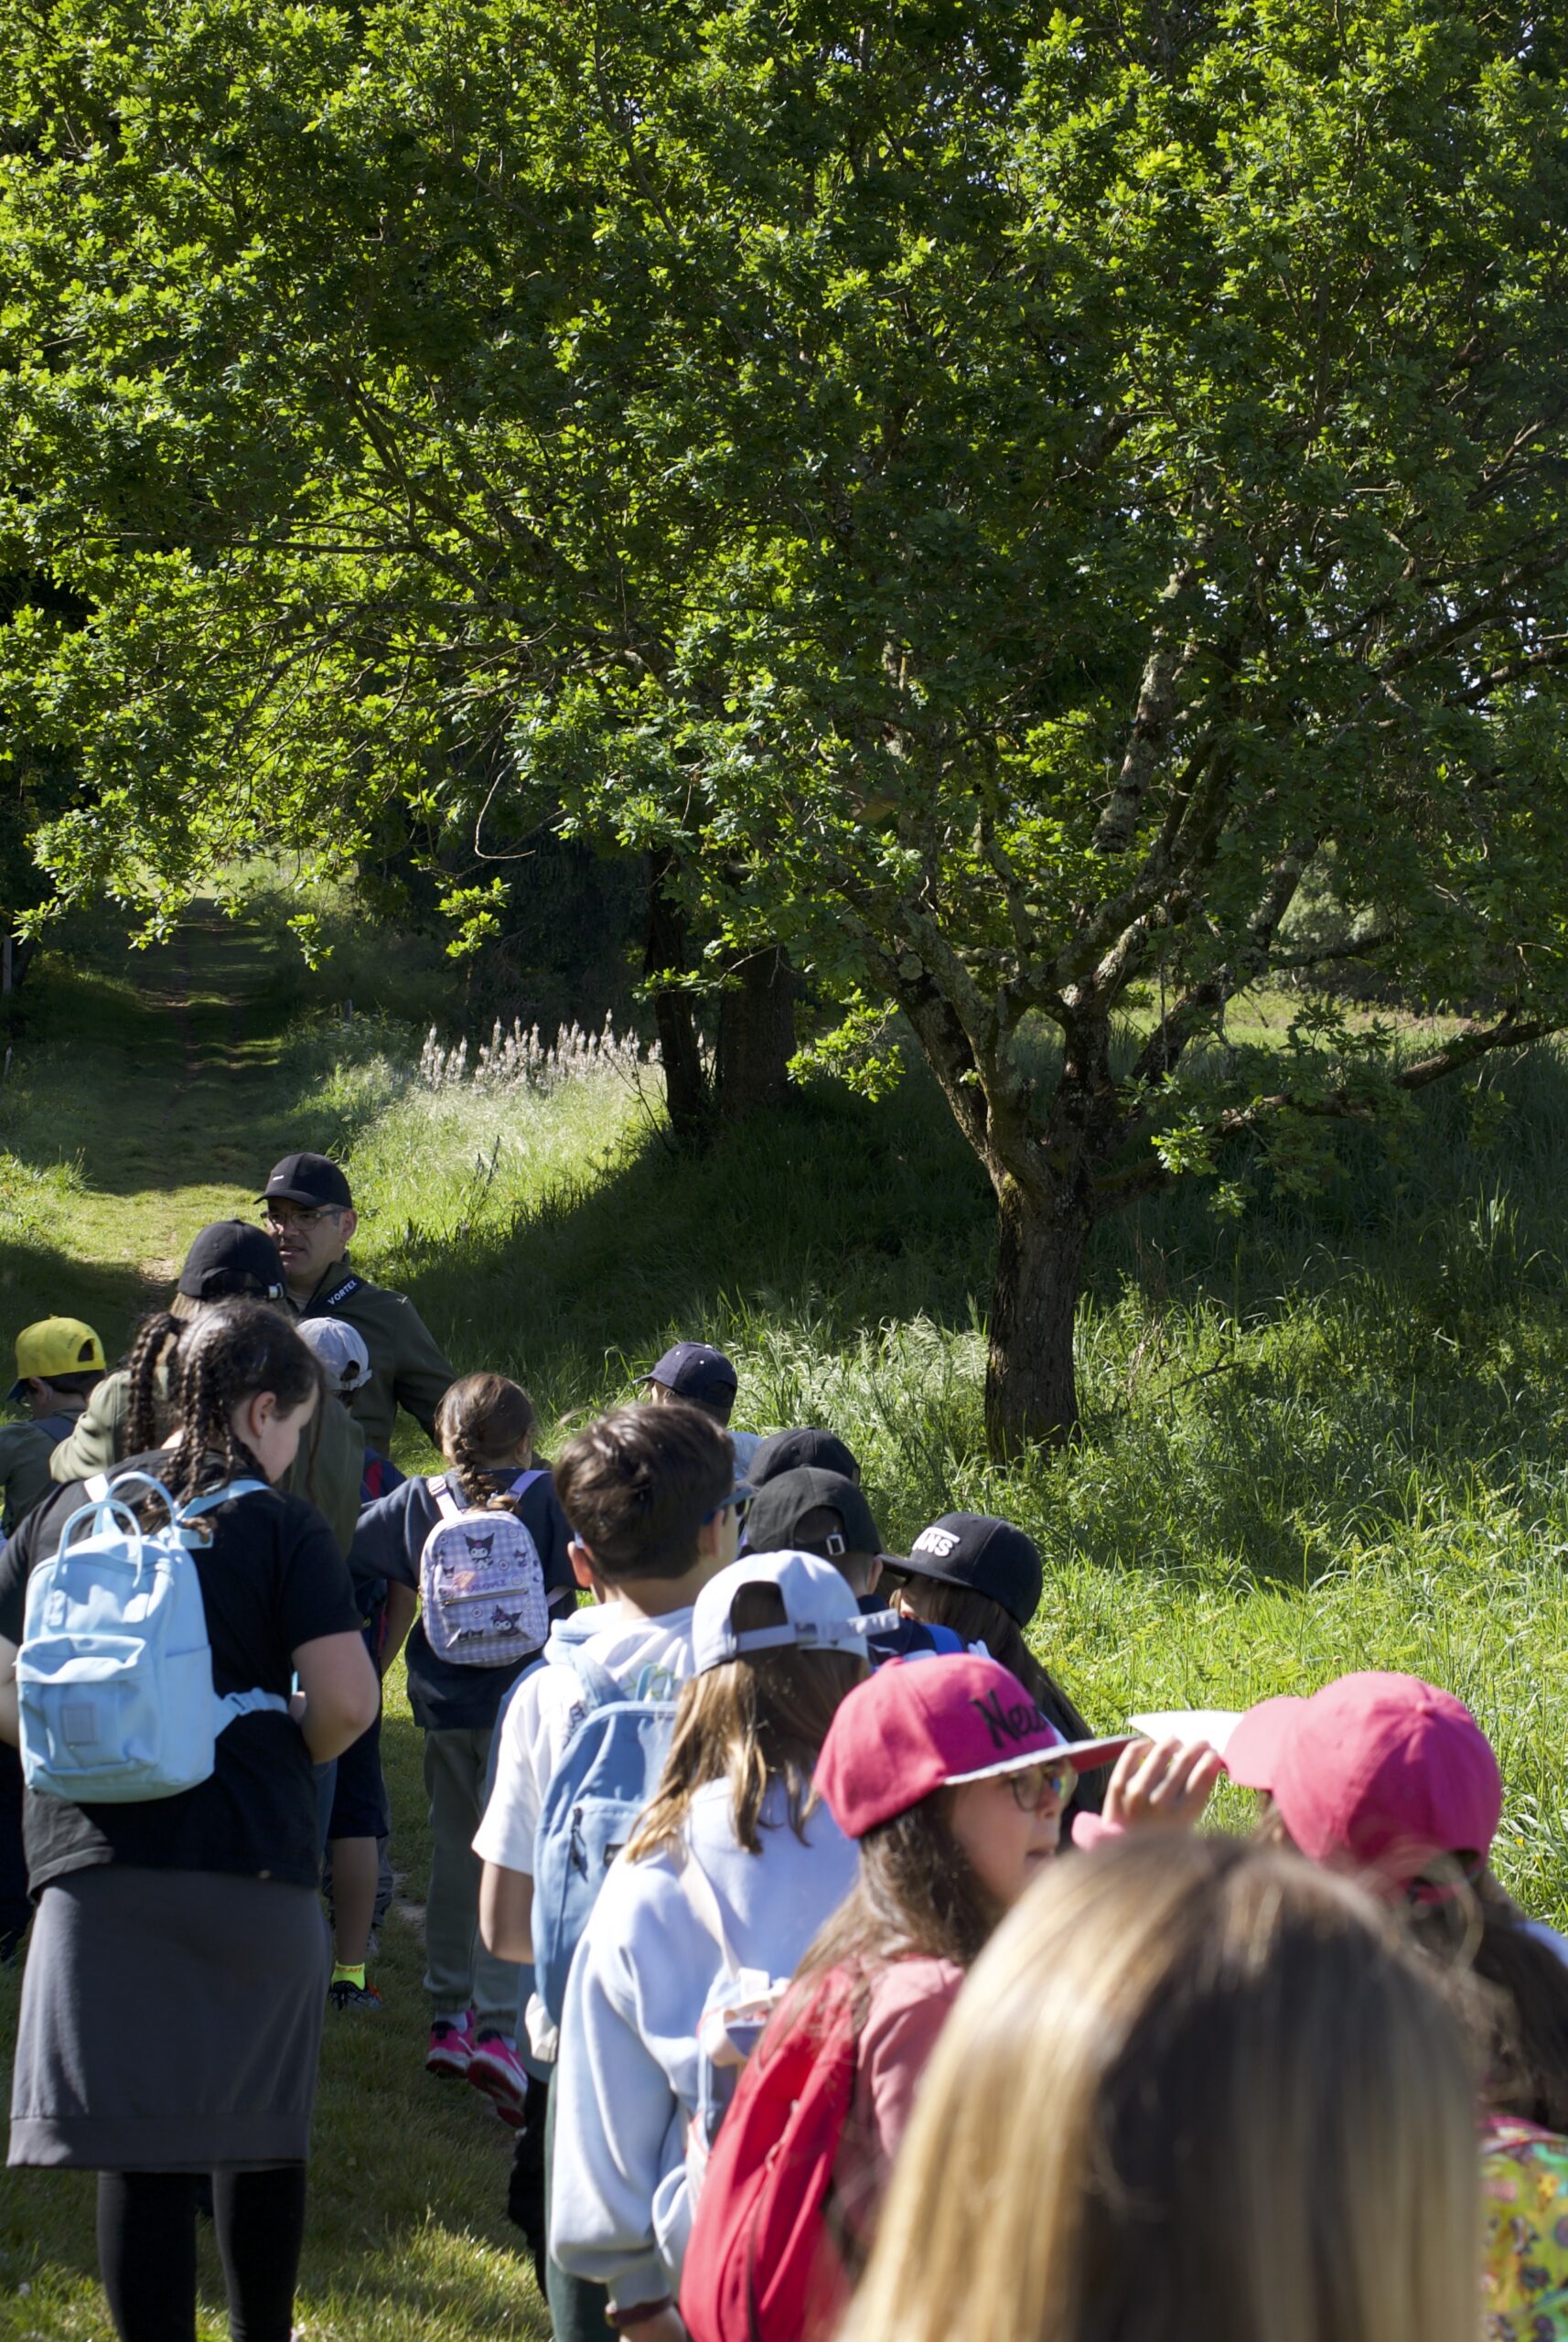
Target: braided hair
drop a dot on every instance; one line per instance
(482, 1424)
(147, 1418)
(235, 1350)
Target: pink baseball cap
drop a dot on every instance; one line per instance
(1381, 1770)
(920, 1725)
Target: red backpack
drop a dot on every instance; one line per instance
(762, 2264)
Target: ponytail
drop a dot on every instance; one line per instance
(480, 1424)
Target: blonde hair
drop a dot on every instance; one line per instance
(1194, 2091)
(752, 1721)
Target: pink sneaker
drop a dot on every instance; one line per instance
(495, 2067)
(451, 2047)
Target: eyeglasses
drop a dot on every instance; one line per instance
(1039, 1785)
(294, 1216)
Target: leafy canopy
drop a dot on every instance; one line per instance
(1016, 503)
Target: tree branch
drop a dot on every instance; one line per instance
(1156, 705)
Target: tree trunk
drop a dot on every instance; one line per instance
(1031, 1393)
(686, 1091)
(757, 1036)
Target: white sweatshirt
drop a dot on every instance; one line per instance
(627, 2077)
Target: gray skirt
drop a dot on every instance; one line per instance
(171, 2021)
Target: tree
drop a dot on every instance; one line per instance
(1002, 502)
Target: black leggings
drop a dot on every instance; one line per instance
(146, 2249)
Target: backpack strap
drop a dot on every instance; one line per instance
(446, 1504)
(215, 1496)
(54, 1427)
(596, 1684)
(249, 1704)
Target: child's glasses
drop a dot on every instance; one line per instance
(1039, 1785)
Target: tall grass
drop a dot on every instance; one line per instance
(1330, 1434)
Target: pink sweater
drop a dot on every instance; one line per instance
(909, 2006)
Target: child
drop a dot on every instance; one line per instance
(59, 1364)
(1203, 2095)
(700, 1376)
(1388, 1776)
(359, 1822)
(953, 1786)
(172, 2006)
(130, 1409)
(983, 1578)
(1390, 1779)
(807, 1511)
(484, 1425)
(652, 1498)
(725, 1873)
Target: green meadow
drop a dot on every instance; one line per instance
(1321, 1434)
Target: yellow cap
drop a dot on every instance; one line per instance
(55, 1346)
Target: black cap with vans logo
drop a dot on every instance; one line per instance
(987, 1555)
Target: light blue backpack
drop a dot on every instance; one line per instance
(608, 1771)
(114, 1674)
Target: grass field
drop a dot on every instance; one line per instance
(1320, 1436)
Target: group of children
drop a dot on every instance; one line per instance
(726, 1805)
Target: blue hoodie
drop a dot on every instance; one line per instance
(627, 2077)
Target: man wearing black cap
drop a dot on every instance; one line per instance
(703, 1378)
(230, 1259)
(824, 1513)
(310, 1214)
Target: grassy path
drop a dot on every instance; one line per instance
(152, 1099)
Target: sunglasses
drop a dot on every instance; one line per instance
(297, 1217)
(739, 1506)
(1039, 1785)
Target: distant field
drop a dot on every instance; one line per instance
(1319, 1436)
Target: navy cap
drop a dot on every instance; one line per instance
(696, 1370)
(308, 1179)
(778, 1509)
(232, 1256)
(798, 1450)
(986, 1555)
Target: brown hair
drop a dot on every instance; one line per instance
(1518, 2006)
(975, 1618)
(752, 1721)
(636, 1486)
(234, 1350)
(482, 1424)
(915, 1896)
(1204, 2093)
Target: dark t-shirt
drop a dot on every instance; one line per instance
(272, 1579)
(388, 1544)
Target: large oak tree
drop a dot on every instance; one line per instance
(1011, 506)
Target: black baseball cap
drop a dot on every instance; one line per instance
(695, 1370)
(232, 1256)
(987, 1555)
(801, 1450)
(777, 1509)
(306, 1179)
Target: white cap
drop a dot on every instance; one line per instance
(821, 1612)
(339, 1351)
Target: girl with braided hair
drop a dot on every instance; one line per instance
(131, 1409)
(172, 2006)
(485, 1426)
